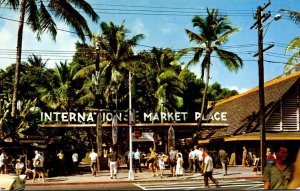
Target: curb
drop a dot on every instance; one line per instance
(134, 181)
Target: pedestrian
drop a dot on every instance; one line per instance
(179, 165)
(61, 159)
(161, 164)
(173, 161)
(223, 157)
(152, 161)
(295, 183)
(19, 167)
(38, 164)
(198, 162)
(75, 161)
(112, 160)
(245, 161)
(29, 168)
(3, 162)
(137, 160)
(94, 157)
(208, 170)
(191, 160)
(279, 174)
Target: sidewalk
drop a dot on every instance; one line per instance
(234, 172)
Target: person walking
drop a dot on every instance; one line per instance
(75, 162)
(191, 158)
(208, 170)
(223, 157)
(245, 161)
(137, 160)
(94, 157)
(112, 160)
(173, 161)
(38, 164)
(279, 174)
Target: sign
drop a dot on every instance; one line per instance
(89, 117)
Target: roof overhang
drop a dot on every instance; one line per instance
(282, 136)
(276, 136)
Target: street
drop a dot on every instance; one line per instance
(167, 185)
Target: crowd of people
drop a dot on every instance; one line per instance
(278, 173)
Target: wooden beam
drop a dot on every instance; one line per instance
(136, 125)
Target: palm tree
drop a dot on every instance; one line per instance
(40, 19)
(214, 31)
(116, 57)
(61, 95)
(169, 86)
(294, 45)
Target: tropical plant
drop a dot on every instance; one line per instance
(61, 95)
(294, 45)
(40, 19)
(214, 31)
(116, 58)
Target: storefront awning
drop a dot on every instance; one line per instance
(146, 137)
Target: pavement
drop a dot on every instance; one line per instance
(103, 177)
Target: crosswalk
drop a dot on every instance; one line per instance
(195, 185)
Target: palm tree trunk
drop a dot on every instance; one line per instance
(18, 58)
(203, 106)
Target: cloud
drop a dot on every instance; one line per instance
(61, 50)
(139, 27)
(242, 90)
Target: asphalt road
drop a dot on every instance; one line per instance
(169, 185)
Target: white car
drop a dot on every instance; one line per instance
(12, 182)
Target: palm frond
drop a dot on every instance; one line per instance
(295, 16)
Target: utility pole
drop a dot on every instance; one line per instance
(261, 88)
(261, 17)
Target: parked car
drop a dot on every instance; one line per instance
(12, 182)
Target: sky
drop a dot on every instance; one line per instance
(163, 22)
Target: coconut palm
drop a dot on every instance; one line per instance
(61, 95)
(116, 57)
(214, 31)
(40, 18)
(294, 45)
(169, 85)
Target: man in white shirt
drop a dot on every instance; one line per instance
(137, 160)
(191, 160)
(75, 161)
(93, 157)
(208, 170)
(38, 164)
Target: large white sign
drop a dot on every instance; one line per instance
(90, 117)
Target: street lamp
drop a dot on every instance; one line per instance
(130, 173)
(261, 17)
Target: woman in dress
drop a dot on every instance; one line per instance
(179, 163)
(161, 164)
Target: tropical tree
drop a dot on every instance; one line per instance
(116, 58)
(40, 18)
(214, 30)
(61, 94)
(294, 45)
(169, 86)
